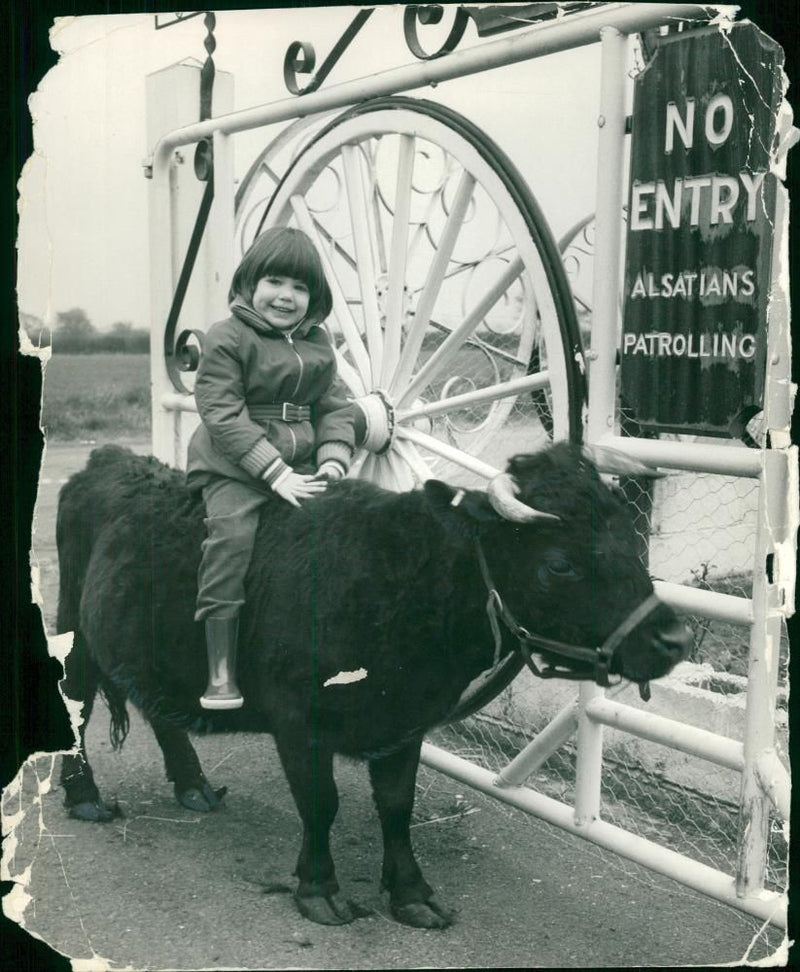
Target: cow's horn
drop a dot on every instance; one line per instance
(613, 461)
(501, 493)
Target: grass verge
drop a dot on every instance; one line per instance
(90, 396)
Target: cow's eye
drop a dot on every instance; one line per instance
(560, 567)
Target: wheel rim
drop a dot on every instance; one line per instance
(444, 300)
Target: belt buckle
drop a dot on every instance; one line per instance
(290, 412)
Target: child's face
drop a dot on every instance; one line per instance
(281, 301)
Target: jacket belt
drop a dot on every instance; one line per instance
(285, 411)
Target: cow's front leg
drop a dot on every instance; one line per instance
(412, 898)
(309, 770)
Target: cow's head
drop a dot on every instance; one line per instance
(560, 549)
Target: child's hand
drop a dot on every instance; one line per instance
(294, 487)
(329, 470)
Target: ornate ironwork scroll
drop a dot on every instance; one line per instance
(301, 58)
(180, 355)
(495, 19)
(432, 14)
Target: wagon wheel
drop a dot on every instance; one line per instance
(453, 321)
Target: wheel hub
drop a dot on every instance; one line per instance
(375, 431)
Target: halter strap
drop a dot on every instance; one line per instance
(600, 658)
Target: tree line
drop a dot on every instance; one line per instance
(74, 333)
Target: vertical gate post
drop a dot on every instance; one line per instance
(773, 573)
(762, 681)
(161, 287)
(173, 100)
(603, 353)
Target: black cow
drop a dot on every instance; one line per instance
(384, 590)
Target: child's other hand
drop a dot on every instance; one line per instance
(294, 487)
(330, 471)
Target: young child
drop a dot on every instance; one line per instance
(270, 400)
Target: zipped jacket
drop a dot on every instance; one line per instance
(247, 364)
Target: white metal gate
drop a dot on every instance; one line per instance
(765, 781)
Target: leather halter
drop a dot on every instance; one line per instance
(598, 658)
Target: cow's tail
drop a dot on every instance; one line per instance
(115, 697)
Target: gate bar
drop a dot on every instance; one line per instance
(558, 35)
(721, 750)
(547, 742)
(709, 604)
(690, 456)
(766, 905)
(668, 732)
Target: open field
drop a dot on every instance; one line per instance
(87, 396)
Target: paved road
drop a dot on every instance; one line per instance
(164, 888)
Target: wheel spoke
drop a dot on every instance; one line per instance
(358, 463)
(395, 298)
(374, 201)
(408, 453)
(433, 283)
(439, 448)
(442, 357)
(505, 389)
(340, 308)
(402, 476)
(381, 473)
(368, 470)
(367, 276)
(349, 375)
(421, 231)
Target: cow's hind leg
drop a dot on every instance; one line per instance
(192, 789)
(412, 898)
(81, 796)
(309, 770)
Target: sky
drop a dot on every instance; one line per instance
(83, 198)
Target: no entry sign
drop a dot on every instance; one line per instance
(700, 227)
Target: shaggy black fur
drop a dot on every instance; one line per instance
(357, 579)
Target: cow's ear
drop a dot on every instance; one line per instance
(462, 511)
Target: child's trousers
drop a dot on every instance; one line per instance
(232, 511)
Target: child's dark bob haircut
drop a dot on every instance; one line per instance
(284, 252)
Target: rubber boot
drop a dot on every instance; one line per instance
(221, 638)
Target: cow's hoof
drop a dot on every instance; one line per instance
(200, 798)
(424, 914)
(333, 910)
(94, 811)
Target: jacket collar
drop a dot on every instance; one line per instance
(249, 315)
